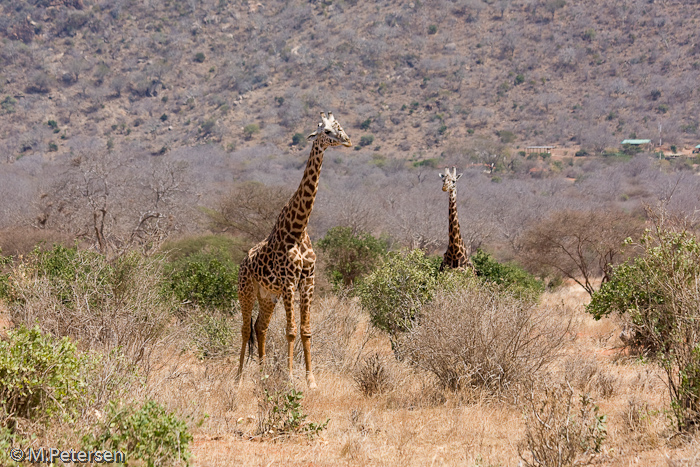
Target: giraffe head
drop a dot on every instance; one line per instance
(449, 179)
(330, 133)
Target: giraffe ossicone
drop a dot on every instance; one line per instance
(285, 261)
(456, 256)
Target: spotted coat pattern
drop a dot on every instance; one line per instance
(456, 255)
(285, 261)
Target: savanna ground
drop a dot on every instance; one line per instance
(413, 421)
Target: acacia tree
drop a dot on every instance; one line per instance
(580, 245)
(113, 203)
(249, 209)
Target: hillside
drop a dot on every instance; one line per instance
(422, 78)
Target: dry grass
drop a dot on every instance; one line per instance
(414, 421)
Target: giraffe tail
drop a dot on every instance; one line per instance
(251, 340)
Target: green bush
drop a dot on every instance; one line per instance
(299, 140)
(283, 414)
(40, 376)
(206, 279)
(149, 433)
(199, 57)
(658, 292)
(508, 276)
(394, 293)
(349, 255)
(366, 140)
(250, 130)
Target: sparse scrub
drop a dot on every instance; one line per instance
(373, 377)
(100, 304)
(477, 337)
(561, 430)
(660, 293)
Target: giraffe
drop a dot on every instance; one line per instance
(456, 255)
(285, 261)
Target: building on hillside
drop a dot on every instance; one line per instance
(697, 149)
(643, 143)
(539, 149)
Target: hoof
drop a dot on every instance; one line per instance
(311, 382)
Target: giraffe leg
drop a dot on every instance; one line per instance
(267, 307)
(246, 298)
(306, 293)
(291, 326)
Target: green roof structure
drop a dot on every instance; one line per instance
(697, 147)
(635, 142)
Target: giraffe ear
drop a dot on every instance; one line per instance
(458, 176)
(442, 175)
(312, 135)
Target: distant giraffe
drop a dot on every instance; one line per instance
(285, 261)
(456, 255)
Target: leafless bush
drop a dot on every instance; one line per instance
(373, 377)
(251, 209)
(561, 430)
(476, 337)
(104, 306)
(580, 245)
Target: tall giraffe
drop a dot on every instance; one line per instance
(285, 261)
(456, 255)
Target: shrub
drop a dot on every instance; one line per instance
(208, 126)
(365, 124)
(580, 245)
(102, 304)
(299, 140)
(559, 431)
(206, 279)
(659, 292)
(508, 276)
(199, 57)
(475, 336)
(394, 293)
(281, 413)
(250, 130)
(366, 140)
(373, 377)
(40, 376)
(214, 333)
(350, 255)
(432, 29)
(148, 433)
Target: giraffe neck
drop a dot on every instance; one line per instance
(294, 218)
(455, 240)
